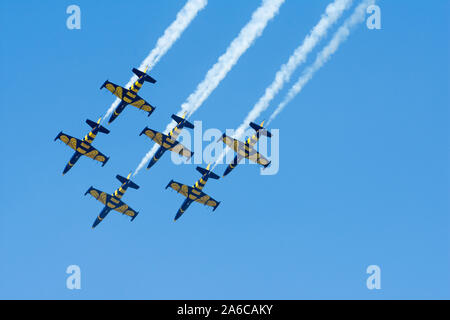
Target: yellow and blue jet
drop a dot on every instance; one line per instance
(168, 142)
(112, 201)
(195, 193)
(246, 150)
(129, 96)
(84, 147)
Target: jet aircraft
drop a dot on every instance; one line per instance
(112, 201)
(168, 142)
(130, 96)
(84, 147)
(195, 193)
(246, 150)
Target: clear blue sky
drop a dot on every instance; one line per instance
(364, 162)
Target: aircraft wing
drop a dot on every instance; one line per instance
(82, 147)
(167, 143)
(129, 97)
(181, 150)
(101, 196)
(114, 204)
(245, 150)
(94, 154)
(69, 140)
(125, 209)
(193, 194)
(140, 103)
(116, 90)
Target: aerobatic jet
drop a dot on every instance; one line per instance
(130, 96)
(112, 201)
(168, 142)
(84, 147)
(195, 193)
(245, 149)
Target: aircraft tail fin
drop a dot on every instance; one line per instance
(182, 122)
(260, 129)
(101, 128)
(131, 184)
(208, 172)
(140, 73)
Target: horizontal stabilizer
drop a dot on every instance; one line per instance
(208, 172)
(93, 124)
(140, 74)
(181, 122)
(131, 184)
(260, 129)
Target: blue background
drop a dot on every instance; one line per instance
(364, 162)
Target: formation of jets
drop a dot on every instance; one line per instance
(194, 193)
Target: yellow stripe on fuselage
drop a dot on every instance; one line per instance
(119, 192)
(174, 133)
(252, 140)
(89, 137)
(200, 184)
(114, 200)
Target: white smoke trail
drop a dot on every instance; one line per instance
(248, 34)
(332, 13)
(165, 42)
(246, 37)
(339, 37)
